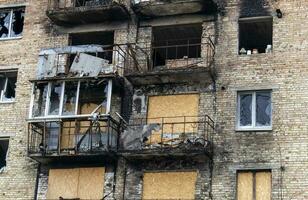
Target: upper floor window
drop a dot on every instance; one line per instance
(254, 110)
(70, 98)
(255, 35)
(254, 185)
(4, 145)
(11, 22)
(7, 86)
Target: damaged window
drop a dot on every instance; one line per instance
(255, 35)
(4, 145)
(11, 22)
(254, 110)
(70, 98)
(7, 86)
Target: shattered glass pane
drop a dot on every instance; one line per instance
(245, 109)
(91, 95)
(54, 99)
(264, 109)
(9, 94)
(69, 101)
(17, 22)
(5, 17)
(40, 96)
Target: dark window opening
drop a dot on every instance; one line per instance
(255, 35)
(176, 42)
(98, 38)
(12, 22)
(7, 86)
(4, 145)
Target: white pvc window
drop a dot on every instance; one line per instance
(254, 110)
(70, 98)
(7, 86)
(11, 23)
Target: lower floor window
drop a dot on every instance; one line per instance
(4, 145)
(254, 185)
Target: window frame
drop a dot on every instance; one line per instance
(3, 91)
(253, 126)
(60, 114)
(11, 10)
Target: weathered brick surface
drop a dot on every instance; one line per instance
(284, 71)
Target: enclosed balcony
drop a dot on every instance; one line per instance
(177, 54)
(184, 136)
(71, 120)
(159, 8)
(75, 12)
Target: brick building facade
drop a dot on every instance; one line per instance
(192, 99)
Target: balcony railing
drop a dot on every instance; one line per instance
(173, 56)
(168, 135)
(73, 136)
(64, 4)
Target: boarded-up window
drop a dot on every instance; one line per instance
(177, 114)
(83, 183)
(254, 185)
(169, 185)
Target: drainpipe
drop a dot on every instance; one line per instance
(37, 181)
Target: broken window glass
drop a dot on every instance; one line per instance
(17, 22)
(11, 22)
(70, 96)
(91, 95)
(245, 109)
(55, 98)
(263, 110)
(7, 86)
(4, 145)
(40, 97)
(5, 17)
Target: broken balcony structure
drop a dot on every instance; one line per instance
(76, 12)
(176, 54)
(168, 137)
(74, 100)
(160, 8)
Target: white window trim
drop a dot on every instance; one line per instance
(253, 126)
(10, 25)
(60, 116)
(3, 91)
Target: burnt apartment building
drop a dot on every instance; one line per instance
(153, 99)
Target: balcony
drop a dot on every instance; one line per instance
(73, 139)
(173, 63)
(159, 8)
(168, 137)
(75, 12)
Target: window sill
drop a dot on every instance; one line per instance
(7, 102)
(11, 38)
(270, 129)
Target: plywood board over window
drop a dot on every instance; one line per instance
(169, 185)
(254, 185)
(83, 183)
(172, 111)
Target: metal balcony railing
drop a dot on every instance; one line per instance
(172, 54)
(65, 4)
(73, 136)
(185, 133)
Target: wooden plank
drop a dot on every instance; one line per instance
(245, 186)
(91, 183)
(169, 185)
(62, 183)
(263, 185)
(68, 135)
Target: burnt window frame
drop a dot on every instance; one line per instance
(4, 90)
(46, 115)
(251, 20)
(6, 153)
(11, 11)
